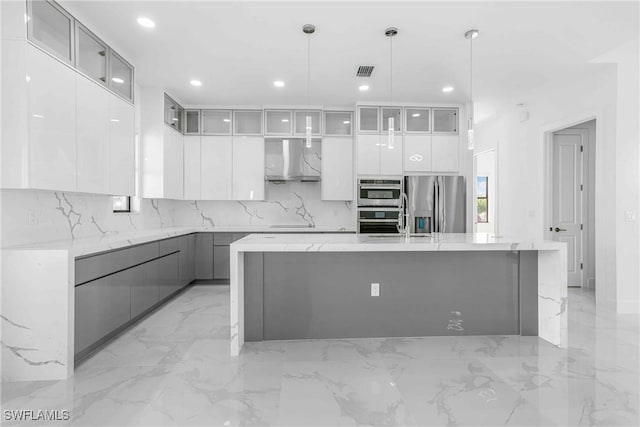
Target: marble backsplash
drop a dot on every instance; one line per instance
(292, 203)
(31, 216)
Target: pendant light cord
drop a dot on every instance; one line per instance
(308, 69)
(471, 69)
(391, 69)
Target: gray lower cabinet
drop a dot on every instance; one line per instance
(221, 260)
(204, 256)
(221, 257)
(141, 295)
(187, 268)
(115, 287)
(101, 306)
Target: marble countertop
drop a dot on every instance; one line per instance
(388, 243)
(91, 245)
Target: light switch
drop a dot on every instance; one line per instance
(629, 216)
(375, 289)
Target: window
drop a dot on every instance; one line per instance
(121, 204)
(482, 199)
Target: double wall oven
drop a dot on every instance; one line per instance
(379, 205)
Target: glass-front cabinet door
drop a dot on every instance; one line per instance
(91, 55)
(301, 122)
(417, 120)
(368, 119)
(445, 120)
(247, 122)
(338, 123)
(396, 114)
(216, 122)
(121, 76)
(51, 28)
(192, 122)
(173, 113)
(278, 122)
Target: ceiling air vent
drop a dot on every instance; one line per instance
(364, 71)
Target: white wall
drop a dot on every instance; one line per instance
(608, 93)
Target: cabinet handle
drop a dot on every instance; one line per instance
(559, 229)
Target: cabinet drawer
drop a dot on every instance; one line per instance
(223, 239)
(168, 246)
(101, 307)
(144, 253)
(91, 268)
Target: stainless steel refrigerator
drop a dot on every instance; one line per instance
(437, 204)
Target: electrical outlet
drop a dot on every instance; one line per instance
(375, 289)
(629, 216)
(32, 218)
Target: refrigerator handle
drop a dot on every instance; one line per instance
(436, 206)
(443, 205)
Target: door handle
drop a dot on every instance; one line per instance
(559, 229)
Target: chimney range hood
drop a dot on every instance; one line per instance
(291, 159)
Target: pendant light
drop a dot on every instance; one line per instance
(391, 32)
(470, 35)
(308, 29)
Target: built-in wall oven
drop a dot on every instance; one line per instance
(379, 205)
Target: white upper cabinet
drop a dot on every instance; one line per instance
(391, 156)
(192, 157)
(122, 154)
(417, 153)
(394, 113)
(91, 54)
(278, 122)
(417, 120)
(52, 122)
(337, 168)
(216, 122)
(338, 123)
(301, 122)
(93, 137)
(368, 120)
(51, 27)
(120, 76)
(216, 167)
(247, 122)
(192, 122)
(248, 168)
(445, 120)
(368, 154)
(162, 147)
(173, 164)
(445, 153)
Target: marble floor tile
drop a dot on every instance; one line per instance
(173, 368)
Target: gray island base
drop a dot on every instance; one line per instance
(320, 287)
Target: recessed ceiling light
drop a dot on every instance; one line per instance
(146, 22)
(346, 122)
(115, 120)
(117, 80)
(415, 115)
(285, 120)
(363, 88)
(226, 120)
(447, 89)
(278, 83)
(195, 83)
(175, 119)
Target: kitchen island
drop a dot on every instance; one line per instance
(304, 286)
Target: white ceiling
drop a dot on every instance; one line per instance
(237, 49)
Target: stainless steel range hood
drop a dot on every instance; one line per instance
(290, 159)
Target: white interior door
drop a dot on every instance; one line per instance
(567, 185)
